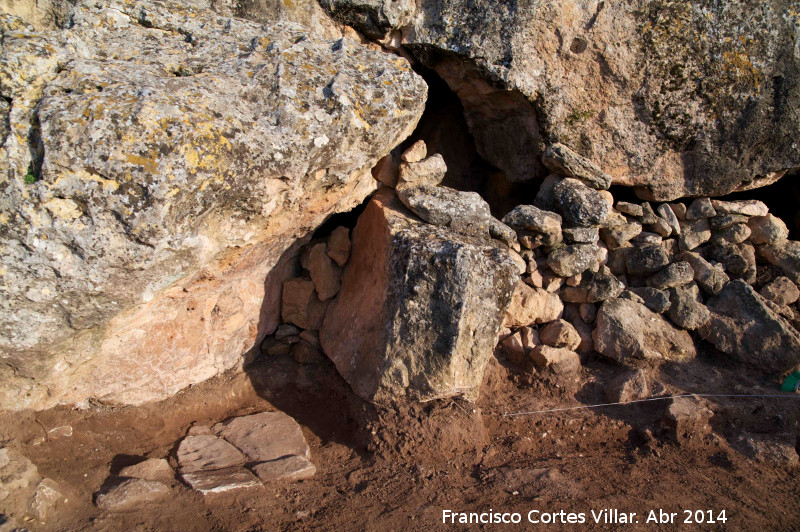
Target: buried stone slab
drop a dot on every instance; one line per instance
(744, 326)
(265, 436)
(287, 469)
(221, 480)
(132, 494)
(420, 307)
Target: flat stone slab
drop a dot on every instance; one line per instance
(265, 436)
(207, 452)
(221, 480)
(132, 494)
(289, 469)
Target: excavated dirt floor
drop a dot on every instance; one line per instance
(400, 470)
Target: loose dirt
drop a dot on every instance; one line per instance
(400, 469)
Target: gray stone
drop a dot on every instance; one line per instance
(625, 329)
(744, 207)
(694, 233)
(286, 330)
(739, 260)
(632, 209)
(627, 387)
(419, 310)
(775, 449)
(545, 197)
(711, 278)
(265, 436)
(723, 221)
(603, 285)
(679, 209)
(581, 235)
(630, 295)
(207, 452)
(661, 227)
(785, 256)
(571, 260)
(542, 227)
(700, 208)
(653, 298)
(665, 212)
(46, 500)
(428, 172)
(767, 229)
(646, 260)
(221, 480)
(618, 235)
(132, 494)
(374, 18)
(649, 215)
(562, 160)
(580, 206)
(685, 309)
(744, 326)
(646, 237)
(288, 469)
(781, 291)
(558, 360)
(560, 333)
(736, 234)
(674, 275)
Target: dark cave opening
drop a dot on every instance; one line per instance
(782, 198)
(444, 129)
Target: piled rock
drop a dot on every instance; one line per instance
(304, 299)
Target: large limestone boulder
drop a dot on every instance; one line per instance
(674, 98)
(420, 307)
(744, 325)
(158, 161)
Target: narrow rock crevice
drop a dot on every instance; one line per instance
(36, 146)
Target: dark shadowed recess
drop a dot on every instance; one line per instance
(444, 130)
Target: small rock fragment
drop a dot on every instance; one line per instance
(428, 172)
(631, 209)
(767, 229)
(558, 360)
(700, 208)
(580, 206)
(532, 305)
(674, 275)
(628, 387)
(685, 309)
(745, 207)
(221, 480)
(665, 212)
(653, 298)
(265, 436)
(541, 227)
(300, 305)
(687, 419)
(694, 233)
(417, 152)
(560, 333)
(781, 291)
(646, 260)
(562, 160)
(339, 245)
(150, 469)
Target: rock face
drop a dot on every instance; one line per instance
(699, 94)
(144, 202)
(419, 309)
(744, 326)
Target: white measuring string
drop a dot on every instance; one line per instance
(649, 399)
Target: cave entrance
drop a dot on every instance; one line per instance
(444, 129)
(782, 198)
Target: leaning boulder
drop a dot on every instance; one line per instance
(420, 307)
(629, 330)
(158, 163)
(744, 326)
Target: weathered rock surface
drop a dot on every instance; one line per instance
(221, 480)
(419, 310)
(205, 452)
(580, 206)
(643, 89)
(626, 329)
(560, 333)
(132, 494)
(785, 255)
(536, 227)
(628, 387)
(687, 419)
(287, 469)
(177, 154)
(557, 359)
(562, 160)
(152, 469)
(531, 306)
(265, 436)
(745, 327)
